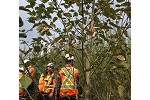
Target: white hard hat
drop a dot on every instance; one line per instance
(21, 68)
(26, 60)
(69, 57)
(50, 64)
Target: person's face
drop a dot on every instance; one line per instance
(71, 62)
(49, 68)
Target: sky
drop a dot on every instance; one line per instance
(27, 25)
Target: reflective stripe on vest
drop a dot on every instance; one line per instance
(50, 86)
(69, 76)
(46, 86)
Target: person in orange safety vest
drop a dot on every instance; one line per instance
(47, 83)
(69, 80)
(31, 87)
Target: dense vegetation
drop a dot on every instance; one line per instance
(98, 34)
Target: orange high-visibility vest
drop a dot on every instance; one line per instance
(68, 81)
(46, 83)
(21, 92)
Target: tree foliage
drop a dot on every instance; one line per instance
(103, 55)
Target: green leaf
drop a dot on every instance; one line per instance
(68, 28)
(56, 40)
(22, 35)
(22, 30)
(53, 25)
(113, 11)
(28, 6)
(45, 49)
(126, 4)
(77, 21)
(52, 3)
(37, 48)
(23, 42)
(54, 19)
(36, 24)
(44, 1)
(126, 34)
(120, 90)
(111, 23)
(33, 13)
(68, 14)
(25, 81)
(75, 14)
(24, 9)
(117, 5)
(59, 14)
(20, 22)
(37, 39)
(32, 19)
(80, 25)
(32, 2)
(119, 1)
(48, 33)
(71, 10)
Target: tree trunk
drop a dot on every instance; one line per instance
(88, 80)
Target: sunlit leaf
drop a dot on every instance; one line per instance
(25, 81)
(53, 25)
(45, 29)
(52, 3)
(121, 57)
(120, 90)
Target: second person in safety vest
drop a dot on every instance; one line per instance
(47, 83)
(31, 88)
(68, 80)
